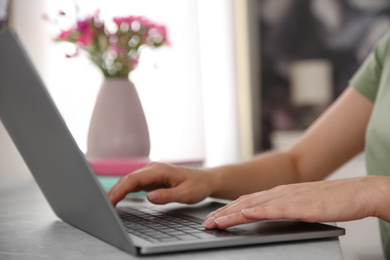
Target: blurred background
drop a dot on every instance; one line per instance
(240, 77)
(309, 51)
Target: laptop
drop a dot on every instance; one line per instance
(71, 188)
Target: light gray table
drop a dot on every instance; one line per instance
(30, 230)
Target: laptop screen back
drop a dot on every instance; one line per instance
(49, 150)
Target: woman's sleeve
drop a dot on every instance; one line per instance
(367, 78)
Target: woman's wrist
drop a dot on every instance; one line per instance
(215, 180)
(382, 205)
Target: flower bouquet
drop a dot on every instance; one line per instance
(114, 49)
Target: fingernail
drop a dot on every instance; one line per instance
(153, 196)
(212, 214)
(209, 222)
(221, 220)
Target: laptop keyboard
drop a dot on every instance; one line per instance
(157, 226)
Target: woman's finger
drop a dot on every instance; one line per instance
(139, 180)
(248, 201)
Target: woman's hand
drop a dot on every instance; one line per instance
(323, 201)
(166, 183)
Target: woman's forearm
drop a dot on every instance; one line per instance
(324, 147)
(263, 172)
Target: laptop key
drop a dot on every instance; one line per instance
(155, 226)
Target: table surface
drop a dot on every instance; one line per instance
(30, 230)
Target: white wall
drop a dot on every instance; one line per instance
(216, 31)
(187, 89)
(11, 163)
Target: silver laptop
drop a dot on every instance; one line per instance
(75, 195)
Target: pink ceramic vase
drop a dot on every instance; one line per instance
(118, 127)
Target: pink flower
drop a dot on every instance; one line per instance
(64, 35)
(119, 20)
(86, 29)
(83, 26)
(127, 19)
(116, 53)
(86, 38)
(161, 30)
(145, 22)
(116, 48)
